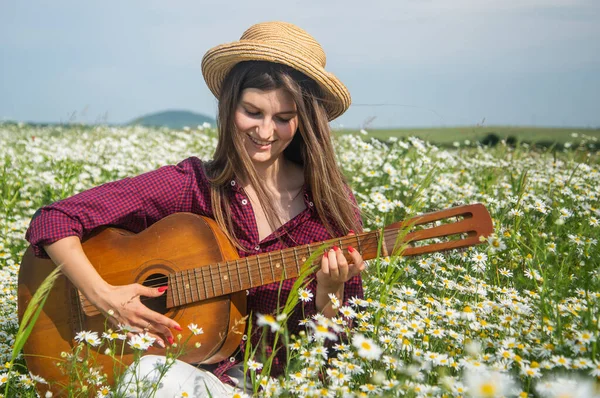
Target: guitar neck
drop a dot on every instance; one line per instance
(214, 280)
(463, 227)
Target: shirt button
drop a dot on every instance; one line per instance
(232, 183)
(310, 204)
(257, 248)
(244, 202)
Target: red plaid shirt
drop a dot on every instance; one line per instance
(138, 202)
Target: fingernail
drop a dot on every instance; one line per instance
(351, 231)
(161, 343)
(177, 327)
(162, 289)
(325, 255)
(170, 339)
(351, 249)
(336, 248)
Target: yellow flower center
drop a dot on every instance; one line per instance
(488, 390)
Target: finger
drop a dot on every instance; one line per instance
(351, 232)
(325, 263)
(342, 265)
(357, 261)
(150, 291)
(152, 328)
(164, 325)
(333, 264)
(158, 340)
(155, 316)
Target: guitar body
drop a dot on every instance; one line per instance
(179, 242)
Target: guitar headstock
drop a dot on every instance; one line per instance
(453, 228)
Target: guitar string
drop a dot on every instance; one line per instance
(245, 278)
(187, 295)
(258, 259)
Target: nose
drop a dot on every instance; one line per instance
(266, 128)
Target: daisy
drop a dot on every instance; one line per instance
(195, 329)
(479, 257)
(305, 295)
(89, 337)
(268, 320)
(560, 360)
(335, 301)
(253, 365)
(366, 347)
(488, 384)
(348, 312)
(321, 331)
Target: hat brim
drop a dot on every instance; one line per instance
(218, 61)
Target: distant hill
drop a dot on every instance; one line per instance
(173, 119)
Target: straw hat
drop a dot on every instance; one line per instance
(282, 43)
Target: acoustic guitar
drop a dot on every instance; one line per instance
(206, 279)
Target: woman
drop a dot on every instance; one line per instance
(273, 183)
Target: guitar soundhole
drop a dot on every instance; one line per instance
(158, 304)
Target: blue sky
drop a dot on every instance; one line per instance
(406, 63)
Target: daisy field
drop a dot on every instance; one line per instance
(517, 315)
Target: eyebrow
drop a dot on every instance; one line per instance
(279, 113)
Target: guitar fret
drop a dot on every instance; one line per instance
(309, 250)
(212, 280)
(196, 285)
(249, 272)
(358, 244)
(220, 276)
(237, 266)
(170, 289)
(204, 282)
(178, 288)
(259, 270)
(188, 286)
(198, 290)
(303, 258)
(296, 260)
(233, 289)
(271, 266)
(283, 265)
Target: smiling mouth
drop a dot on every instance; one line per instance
(259, 142)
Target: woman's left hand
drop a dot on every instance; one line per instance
(336, 270)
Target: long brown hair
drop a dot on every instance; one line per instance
(310, 148)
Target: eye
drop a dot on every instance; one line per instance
(283, 120)
(253, 114)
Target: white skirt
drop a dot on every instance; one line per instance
(180, 380)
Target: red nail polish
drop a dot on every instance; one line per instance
(351, 249)
(336, 248)
(351, 231)
(177, 327)
(170, 339)
(325, 255)
(162, 289)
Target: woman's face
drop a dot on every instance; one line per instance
(267, 121)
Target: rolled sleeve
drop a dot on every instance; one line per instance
(132, 203)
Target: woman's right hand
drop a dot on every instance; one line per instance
(121, 303)
(123, 306)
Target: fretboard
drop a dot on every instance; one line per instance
(214, 280)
